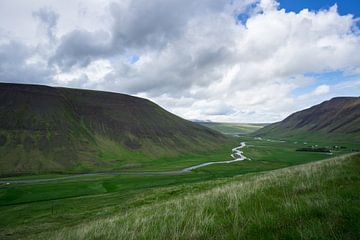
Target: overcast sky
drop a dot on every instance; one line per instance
(223, 60)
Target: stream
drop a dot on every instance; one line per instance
(237, 156)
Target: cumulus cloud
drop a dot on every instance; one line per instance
(322, 89)
(136, 26)
(48, 18)
(19, 64)
(153, 24)
(79, 48)
(238, 60)
(319, 90)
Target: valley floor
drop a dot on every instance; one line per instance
(244, 199)
(236, 155)
(314, 201)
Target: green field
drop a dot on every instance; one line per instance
(233, 128)
(313, 201)
(28, 209)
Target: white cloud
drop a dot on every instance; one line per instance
(319, 90)
(195, 58)
(48, 19)
(93, 72)
(322, 89)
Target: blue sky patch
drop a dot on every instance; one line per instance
(326, 78)
(344, 6)
(133, 58)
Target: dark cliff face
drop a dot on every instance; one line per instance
(339, 116)
(60, 128)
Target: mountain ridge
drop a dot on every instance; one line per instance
(338, 117)
(46, 128)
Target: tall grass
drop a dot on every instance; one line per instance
(319, 200)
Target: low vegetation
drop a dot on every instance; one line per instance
(314, 201)
(28, 209)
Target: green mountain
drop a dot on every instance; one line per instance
(48, 129)
(335, 120)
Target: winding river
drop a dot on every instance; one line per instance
(237, 156)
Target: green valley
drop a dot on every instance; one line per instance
(179, 120)
(79, 164)
(29, 209)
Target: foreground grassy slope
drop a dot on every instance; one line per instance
(46, 129)
(233, 128)
(337, 120)
(314, 201)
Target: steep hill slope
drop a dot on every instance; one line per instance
(338, 118)
(57, 129)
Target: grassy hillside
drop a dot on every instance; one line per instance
(233, 128)
(336, 120)
(314, 201)
(46, 129)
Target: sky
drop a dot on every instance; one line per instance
(224, 60)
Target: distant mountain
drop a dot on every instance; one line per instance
(233, 128)
(200, 121)
(335, 120)
(47, 129)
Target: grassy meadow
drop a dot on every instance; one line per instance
(318, 200)
(30, 209)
